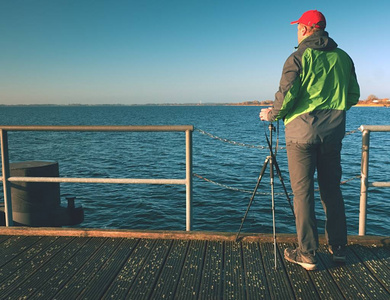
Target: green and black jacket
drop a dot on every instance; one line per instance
(317, 87)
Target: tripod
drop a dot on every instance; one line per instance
(273, 164)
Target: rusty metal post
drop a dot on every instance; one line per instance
(364, 182)
(5, 176)
(188, 180)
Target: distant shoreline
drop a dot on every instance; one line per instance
(265, 103)
(372, 105)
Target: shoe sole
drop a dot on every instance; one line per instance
(306, 266)
(339, 259)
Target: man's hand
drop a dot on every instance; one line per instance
(264, 114)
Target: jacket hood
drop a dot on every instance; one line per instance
(319, 40)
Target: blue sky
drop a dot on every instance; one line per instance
(144, 51)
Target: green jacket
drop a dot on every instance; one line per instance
(317, 87)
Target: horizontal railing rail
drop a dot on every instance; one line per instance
(128, 128)
(96, 180)
(365, 184)
(7, 179)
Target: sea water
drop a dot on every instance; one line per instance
(218, 156)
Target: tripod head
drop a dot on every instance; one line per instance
(271, 127)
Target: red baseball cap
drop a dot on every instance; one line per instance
(312, 17)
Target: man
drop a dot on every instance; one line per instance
(317, 87)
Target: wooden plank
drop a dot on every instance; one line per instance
(34, 283)
(211, 284)
(255, 277)
(15, 245)
(368, 282)
(103, 278)
(43, 255)
(374, 264)
(166, 285)
(16, 264)
(3, 238)
(101, 268)
(77, 283)
(323, 281)
(299, 278)
(190, 278)
(277, 280)
(181, 235)
(346, 281)
(384, 255)
(8, 242)
(234, 284)
(60, 278)
(129, 271)
(146, 279)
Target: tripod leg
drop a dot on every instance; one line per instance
(269, 142)
(283, 185)
(271, 171)
(253, 195)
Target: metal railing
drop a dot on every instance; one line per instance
(366, 130)
(7, 179)
(188, 129)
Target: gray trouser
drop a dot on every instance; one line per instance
(303, 160)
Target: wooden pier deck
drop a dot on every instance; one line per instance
(108, 264)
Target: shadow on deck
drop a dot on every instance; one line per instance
(118, 264)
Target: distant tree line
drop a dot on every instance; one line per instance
(255, 103)
(374, 100)
(371, 100)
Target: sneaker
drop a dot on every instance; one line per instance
(338, 253)
(308, 262)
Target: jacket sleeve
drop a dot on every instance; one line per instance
(353, 90)
(288, 88)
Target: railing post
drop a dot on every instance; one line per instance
(188, 180)
(6, 175)
(364, 182)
